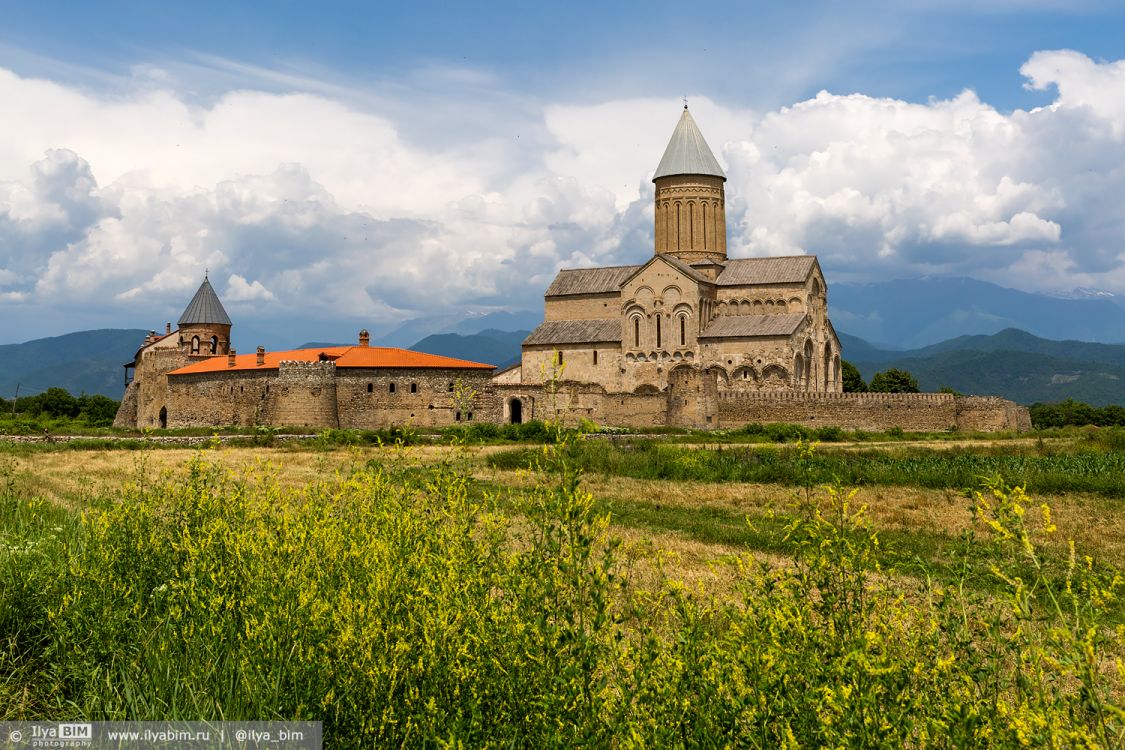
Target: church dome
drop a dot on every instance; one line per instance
(688, 152)
(205, 308)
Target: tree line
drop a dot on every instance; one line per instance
(1071, 412)
(1063, 414)
(92, 410)
(893, 380)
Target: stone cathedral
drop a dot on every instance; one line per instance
(690, 338)
(756, 324)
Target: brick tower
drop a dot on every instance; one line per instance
(204, 326)
(691, 219)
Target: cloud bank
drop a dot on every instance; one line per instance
(307, 205)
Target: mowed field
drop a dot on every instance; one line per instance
(635, 554)
(705, 519)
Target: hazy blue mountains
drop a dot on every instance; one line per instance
(916, 313)
(82, 362)
(491, 346)
(1011, 363)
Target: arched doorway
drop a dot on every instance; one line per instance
(828, 376)
(515, 411)
(163, 417)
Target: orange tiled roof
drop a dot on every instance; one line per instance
(344, 356)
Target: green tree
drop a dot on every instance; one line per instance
(1071, 412)
(97, 410)
(894, 381)
(853, 381)
(57, 402)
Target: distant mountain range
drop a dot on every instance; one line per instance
(491, 346)
(919, 312)
(1011, 363)
(406, 334)
(969, 335)
(82, 362)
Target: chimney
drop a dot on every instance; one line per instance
(364, 338)
(261, 355)
(167, 328)
(230, 358)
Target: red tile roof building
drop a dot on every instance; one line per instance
(190, 377)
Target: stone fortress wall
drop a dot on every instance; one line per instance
(317, 394)
(695, 400)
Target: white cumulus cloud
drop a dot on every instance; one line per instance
(309, 204)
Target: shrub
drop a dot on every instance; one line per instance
(1076, 413)
(852, 381)
(894, 381)
(830, 434)
(404, 610)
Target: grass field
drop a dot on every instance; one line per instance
(634, 594)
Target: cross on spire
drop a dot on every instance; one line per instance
(685, 102)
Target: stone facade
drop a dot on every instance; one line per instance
(693, 399)
(179, 382)
(761, 324)
(692, 338)
(318, 394)
(689, 338)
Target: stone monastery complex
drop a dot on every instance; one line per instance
(689, 338)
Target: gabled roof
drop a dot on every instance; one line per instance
(673, 261)
(205, 308)
(589, 280)
(751, 326)
(377, 357)
(783, 270)
(575, 332)
(688, 152)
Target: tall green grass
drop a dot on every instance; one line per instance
(1096, 471)
(389, 603)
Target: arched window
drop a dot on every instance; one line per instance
(637, 333)
(691, 225)
(810, 360)
(595, 356)
(214, 344)
(413, 387)
(704, 223)
(392, 388)
(677, 226)
(683, 330)
(827, 367)
(658, 331)
(195, 345)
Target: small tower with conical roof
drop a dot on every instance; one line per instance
(691, 218)
(205, 325)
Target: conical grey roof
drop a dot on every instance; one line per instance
(205, 308)
(687, 152)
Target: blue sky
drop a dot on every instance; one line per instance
(788, 50)
(370, 163)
